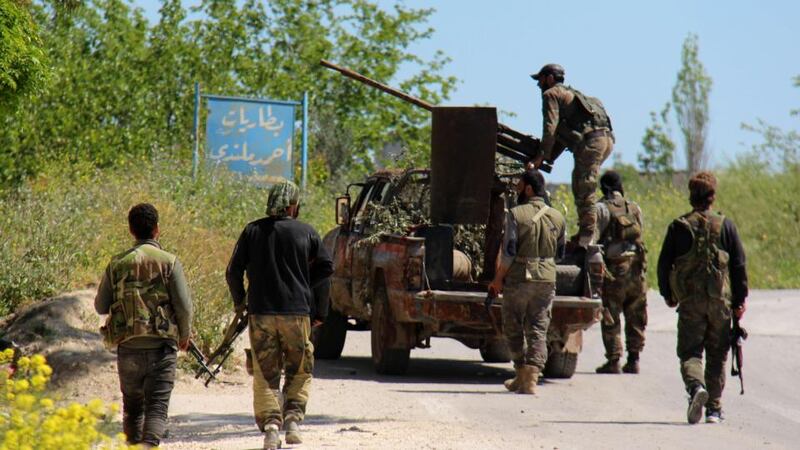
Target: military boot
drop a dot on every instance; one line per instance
(698, 398)
(632, 365)
(512, 384)
(292, 432)
(611, 366)
(272, 437)
(529, 375)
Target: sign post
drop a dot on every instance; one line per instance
(252, 137)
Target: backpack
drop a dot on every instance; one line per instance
(623, 225)
(589, 113)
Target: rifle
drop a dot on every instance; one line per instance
(487, 303)
(738, 336)
(220, 355)
(198, 355)
(510, 142)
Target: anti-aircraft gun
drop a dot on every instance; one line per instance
(510, 142)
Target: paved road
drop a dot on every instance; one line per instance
(450, 399)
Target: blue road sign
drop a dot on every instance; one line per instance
(252, 137)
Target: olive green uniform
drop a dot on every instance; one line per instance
(567, 124)
(149, 309)
(700, 283)
(625, 289)
(533, 234)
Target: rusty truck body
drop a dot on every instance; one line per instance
(409, 285)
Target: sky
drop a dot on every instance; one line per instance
(627, 53)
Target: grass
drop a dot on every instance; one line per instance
(60, 229)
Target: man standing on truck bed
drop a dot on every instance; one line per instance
(578, 122)
(701, 270)
(619, 227)
(284, 260)
(534, 232)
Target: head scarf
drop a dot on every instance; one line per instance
(281, 196)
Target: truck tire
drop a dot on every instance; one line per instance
(495, 351)
(560, 364)
(569, 280)
(386, 358)
(328, 338)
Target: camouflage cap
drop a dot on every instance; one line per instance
(549, 69)
(281, 196)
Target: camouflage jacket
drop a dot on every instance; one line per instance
(156, 275)
(614, 248)
(566, 120)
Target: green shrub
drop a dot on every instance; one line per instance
(61, 229)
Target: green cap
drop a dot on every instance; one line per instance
(281, 195)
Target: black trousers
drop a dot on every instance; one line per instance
(146, 378)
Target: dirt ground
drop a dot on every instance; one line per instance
(450, 399)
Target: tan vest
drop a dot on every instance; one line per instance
(142, 306)
(538, 229)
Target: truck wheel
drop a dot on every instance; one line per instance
(560, 364)
(328, 338)
(495, 351)
(386, 359)
(569, 280)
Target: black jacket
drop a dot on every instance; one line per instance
(285, 262)
(678, 242)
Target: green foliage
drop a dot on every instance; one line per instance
(658, 149)
(690, 103)
(61, 229)
(23, 62)
(123, 87)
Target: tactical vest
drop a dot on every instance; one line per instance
(588, 114)
(701, 273)
(623, 225)
(141, 306)
(536, 243)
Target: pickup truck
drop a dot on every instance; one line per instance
(410, 285)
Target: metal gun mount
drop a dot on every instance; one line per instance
(464, 141)
(510, 142)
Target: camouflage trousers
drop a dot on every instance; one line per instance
(280, 343)
(527, 309)
(704, 325)
(626, 294)
(589, 156)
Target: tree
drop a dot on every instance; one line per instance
(23, 62)
(690, 103)
(123, 88)
(780, 148)
(658, 148)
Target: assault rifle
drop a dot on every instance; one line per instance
(738, 336)
(510, 142)
(218, 357)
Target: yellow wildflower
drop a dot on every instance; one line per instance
(24, 362)
(25, 401)
(38, 360)
(38, 382)
(8, 353)
(46, 403)
(22, 385)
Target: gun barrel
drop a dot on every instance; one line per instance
(369, 81)
(511, 143)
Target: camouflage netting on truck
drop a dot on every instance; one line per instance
(410, 210)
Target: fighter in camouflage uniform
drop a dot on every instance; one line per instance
(619, 226)
(149, 309)
(534, 233)
(701, 270)
(285, 261)
(578, 122)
